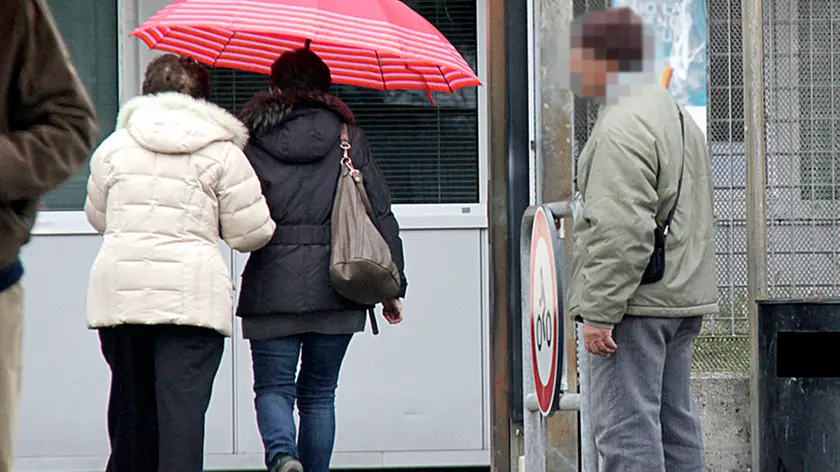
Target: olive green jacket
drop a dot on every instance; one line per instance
(627, 178)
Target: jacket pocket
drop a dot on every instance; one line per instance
(573, 283)
(16, 222)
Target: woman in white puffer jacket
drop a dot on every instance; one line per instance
(163, 188)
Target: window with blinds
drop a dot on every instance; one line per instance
(428, 153)
(89, 28)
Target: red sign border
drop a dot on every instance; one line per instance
(545, 395)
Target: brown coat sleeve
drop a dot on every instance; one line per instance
(52, 121)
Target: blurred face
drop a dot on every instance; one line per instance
(590, 76)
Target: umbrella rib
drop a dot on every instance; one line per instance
(445, 79)
(232, 33)
(227, 43)
(381, 70)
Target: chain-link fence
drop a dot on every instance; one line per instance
(802, 110)
(724, 343)
(802, 113)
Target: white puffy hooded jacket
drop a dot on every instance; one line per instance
(163, 188)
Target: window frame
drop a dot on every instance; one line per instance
(109, 112)
(133, 57)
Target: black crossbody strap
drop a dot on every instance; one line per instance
(667, 227)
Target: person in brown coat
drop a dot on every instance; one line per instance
(47, 130)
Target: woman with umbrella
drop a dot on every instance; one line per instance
(289, 308)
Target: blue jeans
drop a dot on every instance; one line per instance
(275, 365)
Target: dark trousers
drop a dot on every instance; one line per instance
(161, 382)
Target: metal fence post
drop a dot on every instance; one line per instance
(553, 146)
(754, 143)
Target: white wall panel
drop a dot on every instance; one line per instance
(417, 386)
(65, 379)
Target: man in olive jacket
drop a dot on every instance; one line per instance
(643, 151)
(47, 129)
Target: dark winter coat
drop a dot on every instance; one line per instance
(294, 149)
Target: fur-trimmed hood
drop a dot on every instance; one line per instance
(175, 123)
(269, 109)
(296, 128)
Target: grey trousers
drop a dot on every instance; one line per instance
(643, 415)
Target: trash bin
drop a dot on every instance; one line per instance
(799, 385)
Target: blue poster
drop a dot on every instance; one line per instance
(680, 33)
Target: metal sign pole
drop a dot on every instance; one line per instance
(535, 431)
(588, 452)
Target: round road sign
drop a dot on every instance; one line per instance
(544, 311)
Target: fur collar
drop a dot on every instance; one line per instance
(180, 101)
(269, 109)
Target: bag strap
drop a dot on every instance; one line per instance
(356, 175)
(345, 140)
(374, 326)
(670, 218)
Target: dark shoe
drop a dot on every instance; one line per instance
(286, 463)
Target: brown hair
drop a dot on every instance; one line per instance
(300, 71)
(614, 34)
(173, 73)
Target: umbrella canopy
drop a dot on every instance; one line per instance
(379, 44)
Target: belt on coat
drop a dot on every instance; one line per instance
(302, 235)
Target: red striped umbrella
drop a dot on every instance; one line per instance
(379, 44)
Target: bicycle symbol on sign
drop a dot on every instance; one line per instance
(545, 320)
